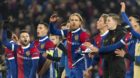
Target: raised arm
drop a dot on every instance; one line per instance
(6, 43)
(56, 31)
(53, 28)
(126, 20)
(123, 14)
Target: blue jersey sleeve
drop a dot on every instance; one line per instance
(126, 20)
(56, 31)
(110, 48)
(6, 43)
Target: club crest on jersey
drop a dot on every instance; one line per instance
(105, 41)
(42, 46)
(113, 39)
(27, 53)
(76, 37)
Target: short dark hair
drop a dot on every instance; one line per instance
(23, 31)
(45, 24)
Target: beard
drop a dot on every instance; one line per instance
(25, 42)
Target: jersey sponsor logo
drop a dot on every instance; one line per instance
(22, 57)
(9, 54)
(131, 42)
(73, 43)
(35, 54)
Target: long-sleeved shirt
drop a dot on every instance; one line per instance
(45, 45)
(74, 40)
(11, 62)
(26, 64)
(97, 41)
(133, 47)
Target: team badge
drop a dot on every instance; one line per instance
(42, 46)
(76, 37)
(113, 39)
(27, 53)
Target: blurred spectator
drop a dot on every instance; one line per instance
(35, 11)
(28, 13)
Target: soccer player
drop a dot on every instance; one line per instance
(133, 44)
(46, 48)
(57, 54)
(110, 58)
(75, 36)
(114, 66)
(97, 41)
(11, 59)
(27, 55)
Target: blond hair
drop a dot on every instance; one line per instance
(115, 17)
(104, 17)
(79, 16)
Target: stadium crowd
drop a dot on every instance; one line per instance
(69, 39)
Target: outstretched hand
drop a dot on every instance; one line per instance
(120, 53)
(15, 38)
(54, 18)
(92, 47)
(123, 7)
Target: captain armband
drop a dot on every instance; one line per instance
(50, 52)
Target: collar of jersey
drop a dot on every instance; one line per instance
(11, 41)
(105, 33)
(26, 46)
(76, 30)
(43, 38)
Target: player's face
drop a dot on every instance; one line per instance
(66, 27)
(54, 39)
(134, 23)
(41, 30)
(101, 23)
(24, 39)
(74, 22)
(111, 23)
